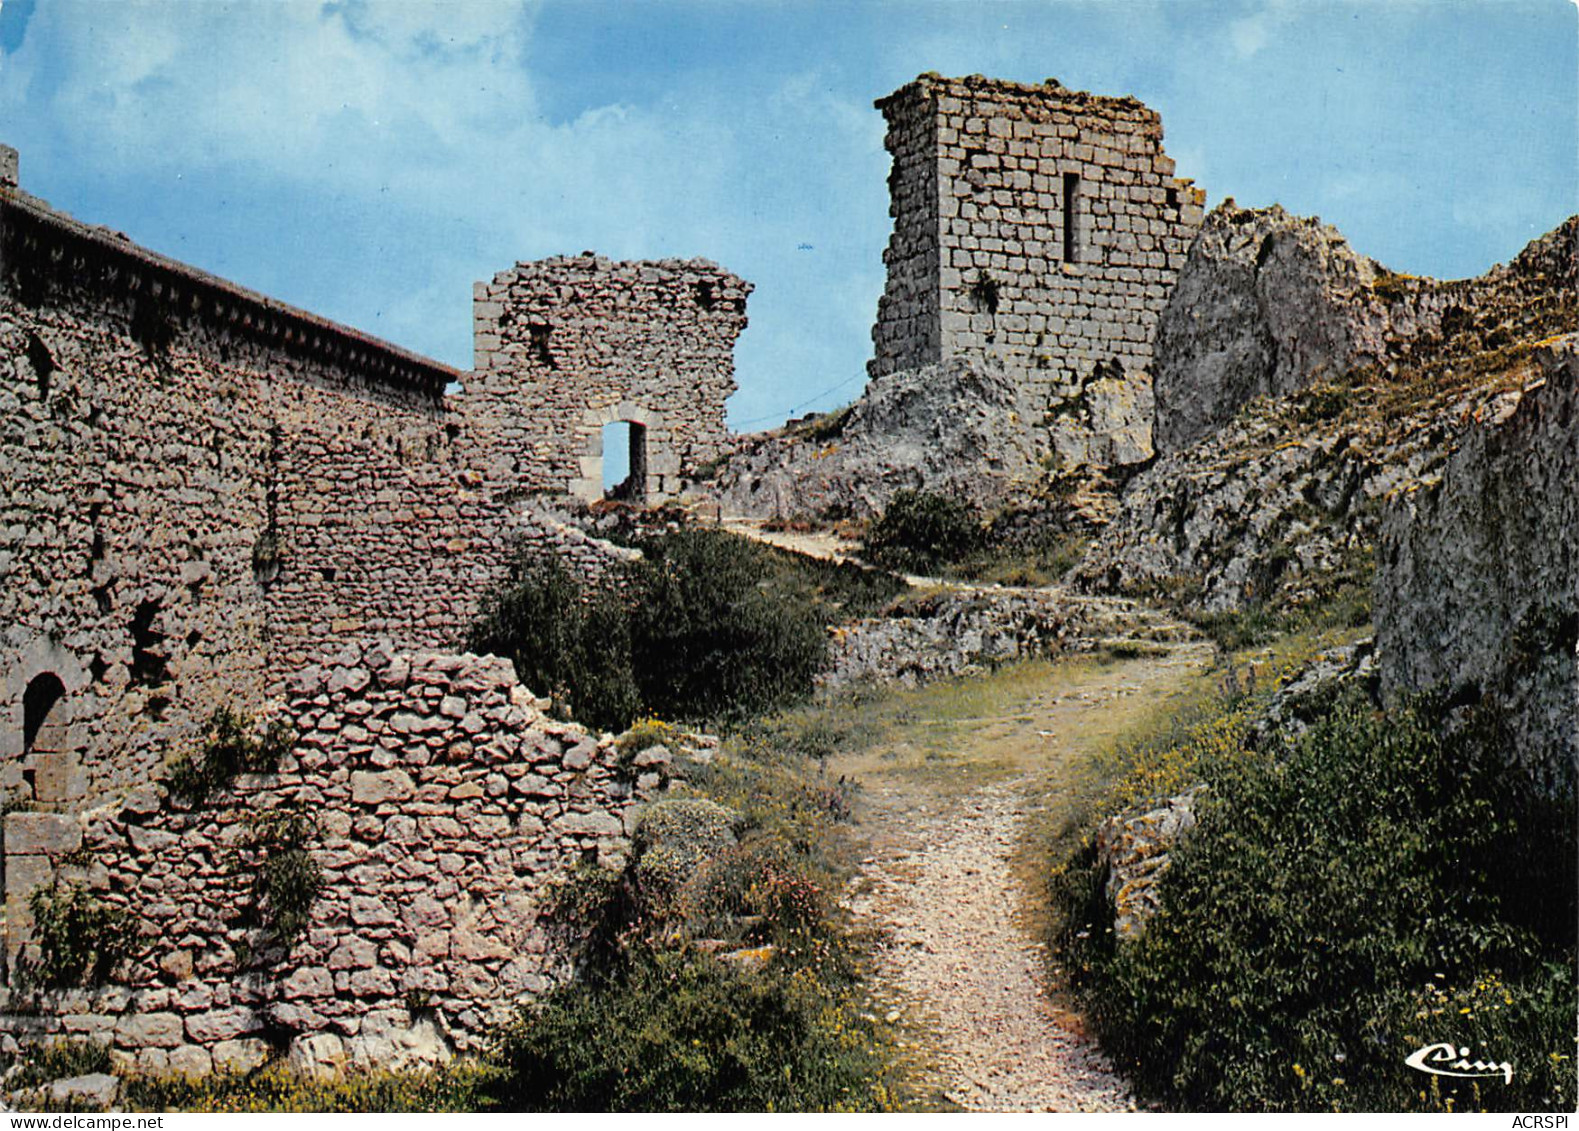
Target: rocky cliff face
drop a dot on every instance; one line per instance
(1266, 303)
(1269, 304)
(956, 428)
(1477, 585)
(1283, 501)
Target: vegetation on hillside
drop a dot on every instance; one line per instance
(1350, 895)
(718, 956)
(927, 533)
(707, 626)
(716, 971)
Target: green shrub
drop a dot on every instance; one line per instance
(276, 1088)
(40, 1064)
(1331, 877)
(920, 531)
(1035, 558)
(286, 879)
(682, 1031)
(716, 634)
(80, 940)
(677, 841)
(567, 643)
(230, 748)
(746, 863)
(708, 626)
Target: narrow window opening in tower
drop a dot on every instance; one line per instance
(1071, 217)
(542, 352)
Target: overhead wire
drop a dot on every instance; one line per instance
(813, 400)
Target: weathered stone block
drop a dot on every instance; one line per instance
(150, 1030)
(595, 823)
(190, 1061)
(240, 1056)
(222, 1024)
(57, 778)
(309, 982)
(320, 1056)
(97, 1089)
(27, 833)
(378, 788)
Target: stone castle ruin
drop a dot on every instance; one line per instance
(1038, 232)
(207, 493)
(1038, 229)
(566, 346)
(209, 498)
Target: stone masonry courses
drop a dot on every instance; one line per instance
(566, 346)
(204, 490)
(444, 805)
(1040, 229)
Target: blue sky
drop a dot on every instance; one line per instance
(369, 161)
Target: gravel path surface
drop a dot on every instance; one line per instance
(965, 971)
(940, 882)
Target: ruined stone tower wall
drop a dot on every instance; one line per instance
(1034, 227)
(202, 487)
(565, 346)
(908, 333)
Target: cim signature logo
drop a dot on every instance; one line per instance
(1444, 1060)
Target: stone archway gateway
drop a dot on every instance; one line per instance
(650, 452)
(623, 446)
(567, 346)
(43, 719)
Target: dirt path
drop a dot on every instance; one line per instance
(948, 881)
(945, 816)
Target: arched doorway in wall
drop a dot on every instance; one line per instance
(44, 715)
(625, 461)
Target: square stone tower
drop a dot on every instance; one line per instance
(1035, 227)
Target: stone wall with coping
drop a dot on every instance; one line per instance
(202, 486)
(445, 803)
(568, 345)
(980, 263)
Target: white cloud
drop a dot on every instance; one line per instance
(1249, 35)
(295, 87)
(429, 111)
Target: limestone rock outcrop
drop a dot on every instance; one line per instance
(1284, 497)
(957, 427)
(1133, 851)
(1477, 587)
(1266, 303)
(954, 631)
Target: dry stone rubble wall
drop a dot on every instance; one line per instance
(445, 804)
